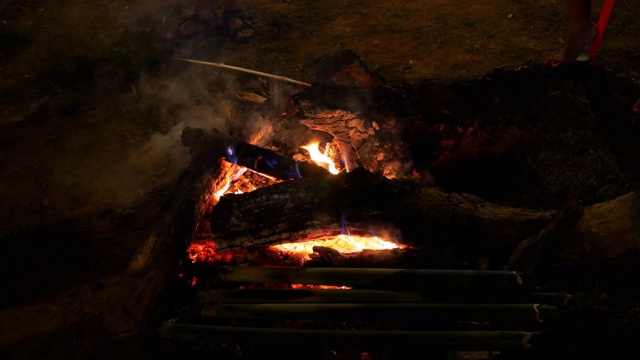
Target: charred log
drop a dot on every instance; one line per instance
(460, 225)
(241, 153)
(392, 126)
(528, 253)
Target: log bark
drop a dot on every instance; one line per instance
(441, 223)
(264, 161)
(529, 252)
(391, 127)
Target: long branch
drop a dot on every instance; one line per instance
(248, 71)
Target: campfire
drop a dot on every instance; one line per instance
(350, 233)
(345, 243)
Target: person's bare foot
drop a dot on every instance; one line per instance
(243, 33)
(576, 43)
(238, 28)
(193, 25)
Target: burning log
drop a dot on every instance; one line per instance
(446, 340)
(389, 127)
(315, 208)
(427, 217)
(409, 257)
(264, 161)
(531, 314)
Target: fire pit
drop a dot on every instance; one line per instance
(286, 243)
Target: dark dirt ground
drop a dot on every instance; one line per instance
(92, 107)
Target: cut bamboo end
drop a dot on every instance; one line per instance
(445, 340)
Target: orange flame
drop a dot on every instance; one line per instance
(320, 158)
(323, 287)
(346, 244)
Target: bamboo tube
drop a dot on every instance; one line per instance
(254, 296)
(248, 71)
(307, 296)
(454, 280)
(445, 340)
(435, 313)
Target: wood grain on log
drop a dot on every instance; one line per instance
(426, 217)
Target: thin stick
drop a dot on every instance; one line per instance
(248, 71)
(448, 340)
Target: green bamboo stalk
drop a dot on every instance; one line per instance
(457, 280)
(307, 296)
(445, 340)
(270, 295)
(435, 313)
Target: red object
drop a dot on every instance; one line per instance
(602, 25)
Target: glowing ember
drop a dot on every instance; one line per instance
(205, 251)
(320, 158)
(323, 287)
(346, 244)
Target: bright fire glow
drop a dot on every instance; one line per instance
(346, 244)
(324, 287)
(320, 158)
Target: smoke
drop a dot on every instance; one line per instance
(108, 136)
(170, 105)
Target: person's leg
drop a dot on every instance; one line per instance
(239, 28)
(581, 32)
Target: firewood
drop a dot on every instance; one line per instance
(393, 127)
(315, 208)
(428, 218)
(264, 161)
(528, 253)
